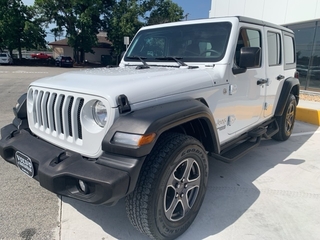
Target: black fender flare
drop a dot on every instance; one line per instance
(158, 119)
(290, 85)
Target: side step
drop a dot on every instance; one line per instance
(236, 151)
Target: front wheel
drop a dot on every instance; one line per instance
(171, 187)
(286, 121)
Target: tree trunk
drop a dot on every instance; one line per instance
(19, 49)
(76, 55)
(82, 55)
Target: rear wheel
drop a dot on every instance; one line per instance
(171, 187)
(286, 121)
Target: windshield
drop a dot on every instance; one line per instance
(191, 43)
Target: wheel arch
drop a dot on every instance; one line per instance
(191, 117)
(290, 86)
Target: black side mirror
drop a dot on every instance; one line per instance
(250, 57)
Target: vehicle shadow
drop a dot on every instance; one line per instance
(231, 191)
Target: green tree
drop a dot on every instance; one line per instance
(128, 16)
(124, 21)
(80, 19)
(19, 28)
(57, 32)
(165, 11)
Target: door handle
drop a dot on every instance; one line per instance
(262, 81)
(280, 77)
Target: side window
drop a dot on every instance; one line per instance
(247, 38)
(289, 50)
(253, 38)
(274, 49)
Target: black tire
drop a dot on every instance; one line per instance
(168, 197)
(286, 121)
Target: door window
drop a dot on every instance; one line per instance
(274, 49)
(247, 38)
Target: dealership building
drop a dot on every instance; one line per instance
(302, 16)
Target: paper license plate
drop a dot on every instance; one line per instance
(25, 164)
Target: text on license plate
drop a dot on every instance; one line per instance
(24, 163)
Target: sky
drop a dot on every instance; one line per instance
(193, 9)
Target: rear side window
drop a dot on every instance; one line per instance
(289, 50)
(274, 49)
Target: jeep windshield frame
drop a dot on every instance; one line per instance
(201, 42)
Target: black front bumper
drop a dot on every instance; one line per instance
(109, 178)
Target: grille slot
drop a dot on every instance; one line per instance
(58, 113)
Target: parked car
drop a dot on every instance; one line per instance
(41, 56)
(144, 130)
(64, 61)
(5, 58)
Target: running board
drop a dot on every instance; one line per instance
(235, 152)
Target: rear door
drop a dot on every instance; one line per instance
(274, 68)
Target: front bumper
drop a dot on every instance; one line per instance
(109, 178)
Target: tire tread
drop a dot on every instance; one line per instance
(137, 201)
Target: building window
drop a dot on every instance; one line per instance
(307, 38)
(274, 49)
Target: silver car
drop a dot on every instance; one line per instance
(5, 58)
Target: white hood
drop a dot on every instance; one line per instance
(137, 84)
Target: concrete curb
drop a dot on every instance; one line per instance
(308, 115)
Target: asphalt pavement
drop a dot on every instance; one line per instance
(271, 193)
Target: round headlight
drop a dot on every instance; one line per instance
(99, 113)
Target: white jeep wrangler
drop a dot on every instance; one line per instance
(144, 130)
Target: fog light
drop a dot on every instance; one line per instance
(83, 187)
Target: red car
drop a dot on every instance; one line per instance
(41, 56)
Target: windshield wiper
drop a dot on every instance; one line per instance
(177, 59)
(144, 66)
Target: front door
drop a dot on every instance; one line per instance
(246, 93)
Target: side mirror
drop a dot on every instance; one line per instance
(250, 57)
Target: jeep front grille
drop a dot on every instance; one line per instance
(65, 119)
(57, 113)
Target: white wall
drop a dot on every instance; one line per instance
(275, 11)
(96, 57)
(65, 51)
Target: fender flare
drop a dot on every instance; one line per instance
(290, 85)
(158, 119)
